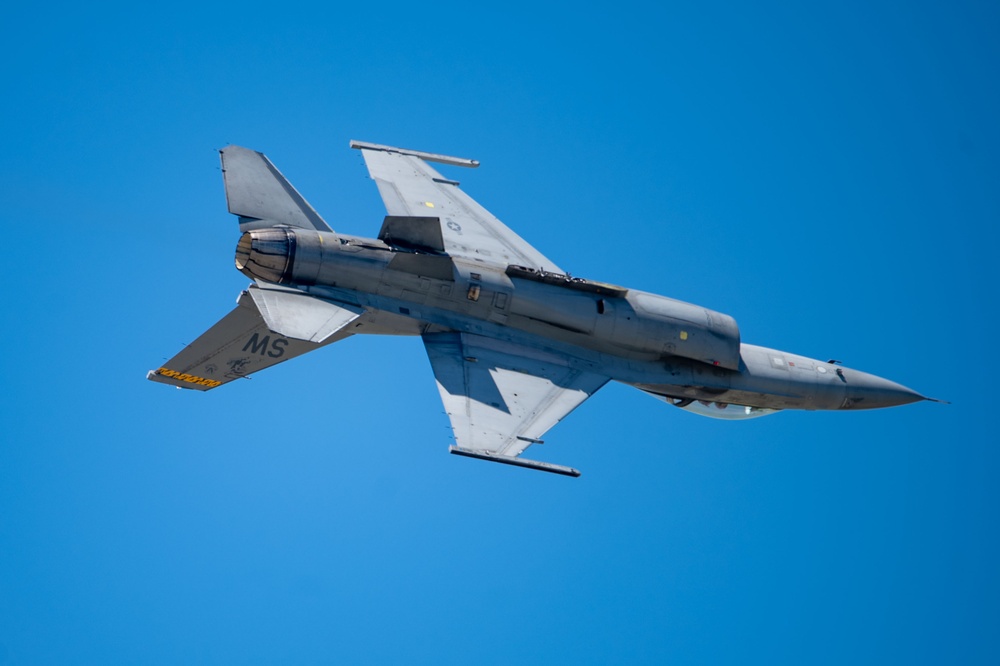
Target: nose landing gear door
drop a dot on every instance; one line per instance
(486, 291)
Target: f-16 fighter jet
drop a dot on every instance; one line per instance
(514, 341)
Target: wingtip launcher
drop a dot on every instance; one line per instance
(517, 462)
(428, 157)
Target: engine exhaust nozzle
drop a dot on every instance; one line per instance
(266, 254)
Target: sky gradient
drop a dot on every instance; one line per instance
(827, 175)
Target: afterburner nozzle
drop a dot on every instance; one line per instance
(266, 254)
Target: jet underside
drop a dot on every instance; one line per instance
(515, 342)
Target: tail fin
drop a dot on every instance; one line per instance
(261, 197)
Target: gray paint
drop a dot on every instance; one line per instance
(515, 343)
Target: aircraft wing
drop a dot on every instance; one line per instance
(502, 397)
(243, 342)
(410, 188)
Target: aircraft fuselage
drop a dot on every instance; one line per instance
(682, 353)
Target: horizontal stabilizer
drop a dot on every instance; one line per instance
(300, 316)
(234, 348)
(261, 197)
(517, 462)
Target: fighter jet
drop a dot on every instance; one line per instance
(515, 342)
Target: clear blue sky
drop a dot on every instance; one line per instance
(828, 175)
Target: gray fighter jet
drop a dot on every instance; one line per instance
(515, 342)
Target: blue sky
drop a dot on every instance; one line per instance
(827, 175)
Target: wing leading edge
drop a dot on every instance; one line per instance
(502, 397)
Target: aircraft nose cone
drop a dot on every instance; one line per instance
(866, 391)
